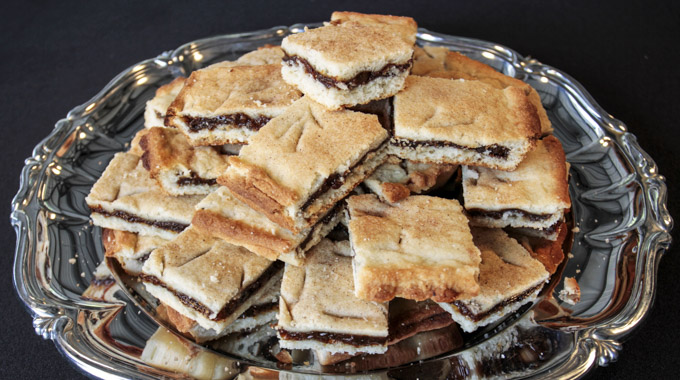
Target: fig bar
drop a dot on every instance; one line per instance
(349, 63)
(131, 250)
(508, 278)
(224, 216)
(417, 249)
(304, 161)
(126, 198)
(228, 104)
(440, 62)
(178, 167)
(318, 309)
(463, 122)
(208, 280)
(262, 311)
(533, 197)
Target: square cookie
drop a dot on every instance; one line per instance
(318, 308)
(208, 280)
(535, 195)
(126, 198)
(347, 64)
(418, 248)
(229, 104)
(463, 122)
(508, 278)
(440, 62)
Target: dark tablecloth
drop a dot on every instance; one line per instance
(56, 56)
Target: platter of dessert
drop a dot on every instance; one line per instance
(304, 200)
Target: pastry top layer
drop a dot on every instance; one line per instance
(291, 156)
(206, 269)
(426, 236)
(320, 296)
(467, 113)
(439, 62)
(428, 59)
(222, 215)
(345, 50)
(126, 186)
(421, 230)
(506, 270)
(538, 185)
(219, 90)
(404, 26)
(264, 55)
(168, 148)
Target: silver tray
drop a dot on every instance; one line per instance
(619, 209)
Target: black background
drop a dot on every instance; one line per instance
(54, 56)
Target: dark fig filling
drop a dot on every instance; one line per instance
(332, 338)
(323, 221)
(389, 70)
(494, 150)
(256, 310)
(194, 179)
(499, 214)
(463, 309)
(165, 225)
(336, 180)
(239, 120)
(232, 305)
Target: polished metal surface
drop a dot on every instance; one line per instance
(619, 212)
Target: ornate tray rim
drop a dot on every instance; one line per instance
(595, 344)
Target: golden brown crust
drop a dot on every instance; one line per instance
(383, 284)
(319, 296)
(164, 148)
(238, 232)
(405, 26)
(182, 324)
(405, 250)
(255, 188)
(428, 59)
(435, 175)
(342, 51)
(224, 90)
(482, 115)
(394, 192)
(507, 269)
(454, 65)
(538, 185)
(458, 66)
(115, 241)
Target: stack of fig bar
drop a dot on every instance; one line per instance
(316, 184)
